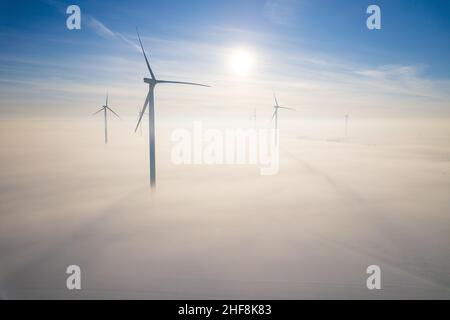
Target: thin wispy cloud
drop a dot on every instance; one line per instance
(102, 30)
(99, 27)
(281, 12)
(314, 79)
(321, 82)
(94, 24)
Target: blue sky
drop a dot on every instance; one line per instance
(318, 44)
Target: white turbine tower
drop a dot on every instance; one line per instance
(275, 114)
(150, 100)
(105, 109)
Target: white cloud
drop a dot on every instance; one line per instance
(99, 27)
(314, 81)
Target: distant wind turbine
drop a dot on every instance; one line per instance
(275, 114)
(150, 100)
(105, 109)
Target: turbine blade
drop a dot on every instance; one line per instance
(143, 111)
(273, 116)
(101, 109)
(112, 111)
(145, 56)
(286, 108)
(181, 82)
(275, 97)
(106, 98)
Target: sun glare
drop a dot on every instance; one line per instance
(241, 62)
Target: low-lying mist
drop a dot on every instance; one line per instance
(338, 204)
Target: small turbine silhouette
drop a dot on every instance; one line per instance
(105, 109)
(276, 107)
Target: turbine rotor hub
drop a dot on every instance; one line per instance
(150, 81)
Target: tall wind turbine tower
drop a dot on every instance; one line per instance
(105, 109)
(150, 101)
(275, 115)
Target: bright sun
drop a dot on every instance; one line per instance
(241, 62)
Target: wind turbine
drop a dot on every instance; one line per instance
(150, 101)
(275, 114)
(105, 109)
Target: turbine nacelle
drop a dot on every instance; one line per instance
(150, 81)
(276, 107)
